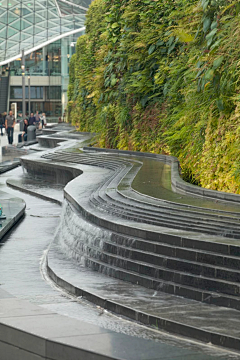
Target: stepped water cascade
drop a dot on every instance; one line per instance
(120, 217)
(77, 238)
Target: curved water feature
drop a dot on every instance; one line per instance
(23, 279)
(169, 243)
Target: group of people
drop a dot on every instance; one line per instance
(37, 120)
(8, 122)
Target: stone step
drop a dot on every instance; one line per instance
(173, 263)
(154, 270)
(170, 213)
(205, 281)
(172, 257)
(97, 160)
(167, 286)
(205, 322)
(175, 252)
(82, 159)
(217, 244)
(164, 206)
(168, 221)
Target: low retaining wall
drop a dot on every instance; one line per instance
(49, 142)
(13, 208)
(59, 174)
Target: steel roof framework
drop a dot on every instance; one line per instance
(29, 24)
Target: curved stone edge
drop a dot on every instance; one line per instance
(5, 168)
(178, 183)
(59, 173)
(161, 323)
(146, 319)
(49, 142)
(33, 193)
(14, 220)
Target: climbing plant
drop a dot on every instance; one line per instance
(163, 76)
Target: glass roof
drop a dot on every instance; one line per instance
(27, 24)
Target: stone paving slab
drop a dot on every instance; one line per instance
(29, 332)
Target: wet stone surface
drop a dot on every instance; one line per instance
(20, 263)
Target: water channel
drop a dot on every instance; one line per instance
(22, 271)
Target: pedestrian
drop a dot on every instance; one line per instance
(9, 125)
(44, 120)
(37, 119)
(23, 135)
(2, 123)
(31, 120)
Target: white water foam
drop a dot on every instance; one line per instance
(77, 238)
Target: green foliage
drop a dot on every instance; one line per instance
(163, 76)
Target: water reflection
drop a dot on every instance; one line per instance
(154, 179)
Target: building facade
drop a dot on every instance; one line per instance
(46, 32)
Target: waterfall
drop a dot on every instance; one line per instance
(77, 238)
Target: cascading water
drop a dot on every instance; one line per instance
(77, 238)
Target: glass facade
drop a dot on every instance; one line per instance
(47, 31)
(26, 24)
(42, 62)
(49, 67)
(36, 92)
(53, 92)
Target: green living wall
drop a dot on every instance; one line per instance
(163, 76)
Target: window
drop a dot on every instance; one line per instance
(36, 92)
(54, 92)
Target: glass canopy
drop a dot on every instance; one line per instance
(27, 24)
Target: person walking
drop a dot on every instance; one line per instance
(37, 119)
(9, 126)
(2, 123)
(32, 120)
(44, 120)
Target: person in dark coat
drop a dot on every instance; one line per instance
(32, 120)
(23, 135)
